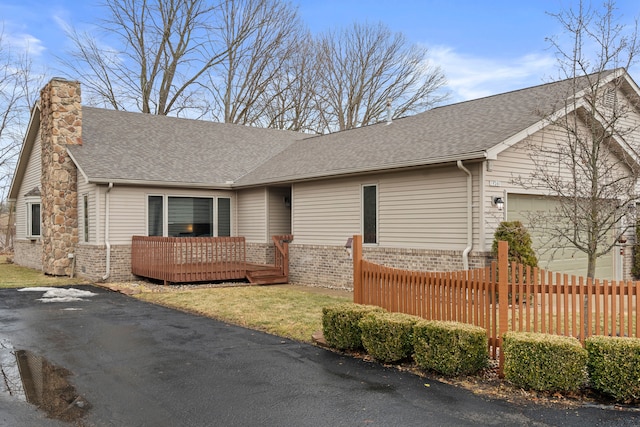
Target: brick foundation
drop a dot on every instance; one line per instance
(91, 263)
(28, 253)
(260, 253)
(331, 266)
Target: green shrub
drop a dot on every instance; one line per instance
(520, 244)
(544, 362)
(340, 324)
(450, 348)
(387, 337)
(614, 366)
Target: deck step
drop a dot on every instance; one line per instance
(266, 277)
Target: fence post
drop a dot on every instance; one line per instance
(503, 297)
(356, 252)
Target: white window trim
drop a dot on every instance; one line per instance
(377, 213)
(216, 219)
(85, 218)
(165, 211)
(30, 201)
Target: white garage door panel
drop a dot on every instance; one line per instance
(569, 261)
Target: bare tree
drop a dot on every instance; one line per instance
(293, 104)
(363, 67)
(185, 57)
(242, 85)
(160, 49)
(588, 160)
(18, 91)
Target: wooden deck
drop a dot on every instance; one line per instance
(205, 259)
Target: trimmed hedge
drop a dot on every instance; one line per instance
(544, 362)
(450, 348)
(387, 337)
(614, 366)
(340, 324)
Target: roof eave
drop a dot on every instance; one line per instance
(27, 145)
(340, 173)
(151, 183)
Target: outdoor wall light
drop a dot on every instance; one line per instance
(348, 246)
(499, 203)
(287, 201)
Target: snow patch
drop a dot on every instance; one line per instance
(59, 294)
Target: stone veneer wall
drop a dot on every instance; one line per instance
(91, 263)
(331, 266)
(60, 125)
(29, 252)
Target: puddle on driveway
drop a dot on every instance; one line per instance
(31, 378)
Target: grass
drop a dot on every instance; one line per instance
(284, 312)
(15, 276)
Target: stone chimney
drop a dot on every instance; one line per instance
(60, 125)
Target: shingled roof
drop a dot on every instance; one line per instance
(146, 149)
(461, 131)
(124, 147)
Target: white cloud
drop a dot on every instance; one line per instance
(24, 42)
(471, 77)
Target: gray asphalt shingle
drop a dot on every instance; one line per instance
(122, 146)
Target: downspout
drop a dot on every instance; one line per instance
(467, 250)
(106, 233)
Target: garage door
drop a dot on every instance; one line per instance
(570, 261)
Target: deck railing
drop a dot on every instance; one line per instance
(189, 259)
(281, 255)
(503, 297)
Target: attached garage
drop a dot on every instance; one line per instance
(528, 208)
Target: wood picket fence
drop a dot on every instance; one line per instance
(502, 297)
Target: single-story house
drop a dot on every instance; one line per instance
(422, 190)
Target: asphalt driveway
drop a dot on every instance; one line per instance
(137, 364)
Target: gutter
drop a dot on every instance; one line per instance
(106, 233)
(467, 250)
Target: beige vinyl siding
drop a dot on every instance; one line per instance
(90, 191)
(425, 208)
(30, 180)
(500, 180)
(327, 212)
(128, 209)
(279, 214)
(252, 215)
(127, 214)
(516, 162)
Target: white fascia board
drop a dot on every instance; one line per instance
(25, 151)
(84, 175)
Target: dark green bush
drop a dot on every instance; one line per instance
(544, 362)
(340, 324)
(387, 337)
(614, 366)
(450, 348)
(520, 244)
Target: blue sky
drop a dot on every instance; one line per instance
(483, 47)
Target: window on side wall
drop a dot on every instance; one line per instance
(34, 219)
(155, 215)
(85, 218)
(370, 214)
(224, 217)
